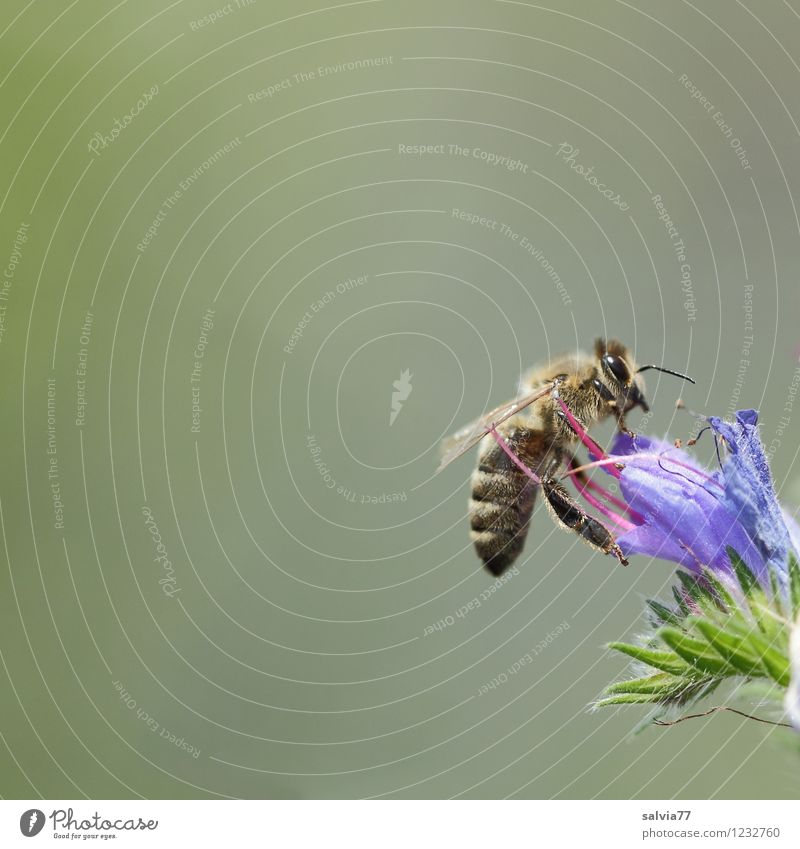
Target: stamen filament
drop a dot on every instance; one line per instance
(584, 437)
(644, 456)
(617, 502)
(582, 487)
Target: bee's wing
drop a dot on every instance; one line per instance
(461, 441)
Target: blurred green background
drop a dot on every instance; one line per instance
(229, 230)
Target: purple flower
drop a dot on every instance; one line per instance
(734, 620)
(687, 514)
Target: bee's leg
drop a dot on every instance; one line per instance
(570, 513)
(622, 427)
(628, 517)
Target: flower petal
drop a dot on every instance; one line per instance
(749, 491)
(685, 520)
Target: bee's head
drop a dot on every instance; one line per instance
(618, 381)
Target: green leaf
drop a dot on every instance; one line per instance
(663, 613)
(695, 652)
(751, 633)
(649, 691)
(773, 654)
(680, 598)
(729, 647)
(664, 660)
(794, 584)
(660, 684)
(627, 699)
(690, 584)
(718, 631)
(726, 601)
(698, 591)
(757, 599)
(776, 665)
(772, 627)
(747, 580)
(777, 595)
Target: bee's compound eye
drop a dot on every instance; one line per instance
(617, 367)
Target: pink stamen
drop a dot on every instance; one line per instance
(584, 437)
(604, 493)
(645, 456)
(582, 487)
(514, 459)
(606, 511)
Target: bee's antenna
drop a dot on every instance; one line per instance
(679, 405)
(666, 371)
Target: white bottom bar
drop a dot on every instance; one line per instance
(379, 824)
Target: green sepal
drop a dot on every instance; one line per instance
(681, 600)
(695, 652)
(660, 684)
(776, 665)
(724, 627)
(628, 699)
(777, 595)
(699, 592)
(757, 599)
(725, 601)
(747, 580)
(746, 628)
(664, 660)
(729, 647)
(663, 614)
(794, 584)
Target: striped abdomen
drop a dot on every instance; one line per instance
(502, 500)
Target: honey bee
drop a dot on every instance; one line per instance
(541, 430)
